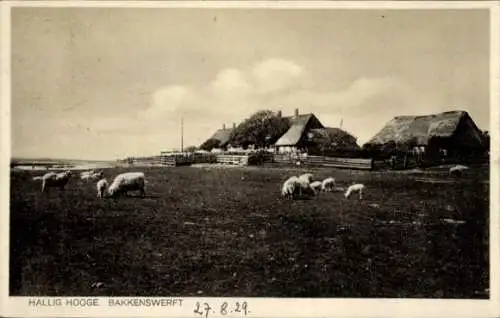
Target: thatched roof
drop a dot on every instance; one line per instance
(402, 129)
(338, 137)
(222, 135)
(329, 131)
(298, 124)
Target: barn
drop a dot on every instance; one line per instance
(452, 134)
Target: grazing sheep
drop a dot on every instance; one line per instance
(316, 186)
(328, 184)
(290, 187)
(38, 178)
(92, 176)
(357, 187)
(53, 179)
(83, 173)
(457, 170)
(128, 181)
(296, 186)
(101, 186)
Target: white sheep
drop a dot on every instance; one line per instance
(84, 173)
(53, 179)
(316, 186)
(128, 181)
(457, 170)
(92, 176)
(290, 187)
(328, 184)
(86, 177)
(101, 186)
(38, 178)
(357, 187)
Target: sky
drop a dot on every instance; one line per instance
(107, 83)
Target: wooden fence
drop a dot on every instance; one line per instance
(153, 160)
(233, 159)
(348, 163)
(174, 160)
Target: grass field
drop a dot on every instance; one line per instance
(227, 232)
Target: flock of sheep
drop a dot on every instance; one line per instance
(122, 183)
(304, 185)
(135, 181)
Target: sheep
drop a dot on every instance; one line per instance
(38, 178)
(101, 186)
(290, 187)
(357, 187)
(92, 176)
(53, 179)
(84, 173)
(296, 185)
(128, 181)
(328, 184)
(457, 170)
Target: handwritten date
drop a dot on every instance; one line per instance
(205, 309)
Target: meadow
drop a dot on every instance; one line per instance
(227, 232)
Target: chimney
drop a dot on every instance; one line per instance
(223, 126)
(278, 114)
(296, 112)
(234, 125)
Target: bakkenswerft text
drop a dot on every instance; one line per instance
(147, 302)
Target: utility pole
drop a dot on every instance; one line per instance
(182, 134)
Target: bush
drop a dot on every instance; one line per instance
(261, 129)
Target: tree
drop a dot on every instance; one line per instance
(210, 144)
(261, 129)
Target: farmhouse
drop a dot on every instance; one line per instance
(452, 133)
(294, 138)
(306, 133)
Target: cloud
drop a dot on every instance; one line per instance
(165, 101)
(230, 81)
(276, 74)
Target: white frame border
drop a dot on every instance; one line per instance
(267, 307)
